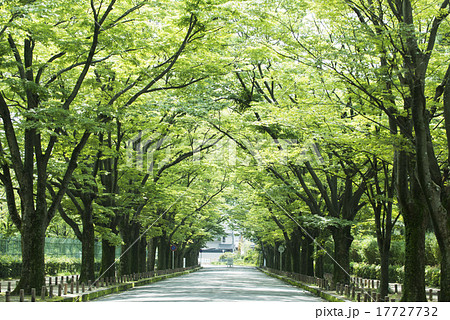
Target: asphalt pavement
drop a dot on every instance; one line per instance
(217, 284)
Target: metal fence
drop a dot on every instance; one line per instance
(55, 247)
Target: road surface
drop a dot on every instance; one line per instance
(217, 284)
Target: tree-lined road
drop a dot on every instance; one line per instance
(217, 284)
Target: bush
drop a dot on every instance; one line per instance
(396, 273)
(432, 276)
(11, 266)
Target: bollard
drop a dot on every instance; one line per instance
(337, 288)
(9, 286)
(56, 281)
(359, 297)
(374, 297)
(0, 286)
(50, 281)
(33, 295)
(438, 295)
(44, 288)
(347, 292)
(366, 295)
(378, 297)
(62, 279)
(50, 291)
(396, 288)
(430, 295)
(82, 287)
(65, 288)
(21, 295)
(378, 284)
(7, 296)
(353, 292)
(77, 286)
(71, 287)
(89, 285)
(59, 290)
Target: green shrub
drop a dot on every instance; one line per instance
(432, 276)
(396, 273)
(432, 253)
(11, 266)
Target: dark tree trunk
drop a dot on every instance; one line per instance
(414, 282)
(33, 261)
(151, 254)
(108, 267)
(142, 255)
(384, 278)
(163, 253)
(342, 241)
(87, 250)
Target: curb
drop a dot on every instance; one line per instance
(316, 291)
(89, 296)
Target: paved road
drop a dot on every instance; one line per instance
(217, 284)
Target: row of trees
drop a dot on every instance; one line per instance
(147, 124)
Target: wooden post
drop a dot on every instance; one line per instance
(65, 288)
(337, 288)
(395, 288)
(430, 295)
(386, 299)
(71, 287)
(0, 286)
(378, 297)
(59, 290)
(21, 295)
(438, 295)
(33, 295)
(9, 286)
(7, 296)
(353, 292)
(77, 287)
(365, 296)
(358, 297)
(50, 291)
(89, 285)
(44, 288)
(56, 281)
(392, 300)
(49, 281)
(82, 287)
(374, 297)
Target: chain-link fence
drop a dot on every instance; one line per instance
(54, 247)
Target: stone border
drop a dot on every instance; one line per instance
(316, 291)
(89, 296)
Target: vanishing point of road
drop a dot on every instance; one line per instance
(217, 284)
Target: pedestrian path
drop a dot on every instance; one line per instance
(217, 284)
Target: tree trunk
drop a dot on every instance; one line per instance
(87, 250)
(142, 255)
(414, 281)
(108, 259)
(33, 260)
(342, 241)
(151, 254)
(163, 253)
(384, 279)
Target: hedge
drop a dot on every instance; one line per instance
(11, 266)
(396, 273)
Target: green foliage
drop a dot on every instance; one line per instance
(11, 266)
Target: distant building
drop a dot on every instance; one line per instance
(214, 249)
